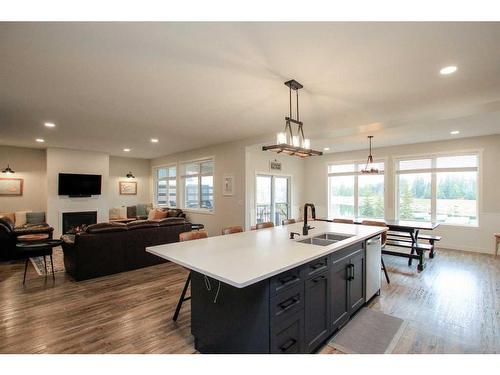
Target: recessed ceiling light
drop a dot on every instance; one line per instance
(326, 149)
(154, 140)
(455, 132)
(448, 70)
(50, 125)
(126, 149)
(40, 140)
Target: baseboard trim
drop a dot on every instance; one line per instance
(466, 249)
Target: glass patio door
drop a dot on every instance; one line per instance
(272, 198)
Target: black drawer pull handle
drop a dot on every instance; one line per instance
(318, 265)
(318, 279)
(288, 279)
(287, 345)
(289, 303)
(352, 271)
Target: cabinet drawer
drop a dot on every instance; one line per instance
(287, 303)
(315, 267)
(347, 252)
(285, 280)
(288, 336)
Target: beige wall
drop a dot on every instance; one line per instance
(73, 161)
(478, 239)
(229, 159)
(118, 169)
(29, 164)
(40, 170)
(258, 162)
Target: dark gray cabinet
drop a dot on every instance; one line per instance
(317, 310)
(293, 312)
(357, 281)
(347, 285)
(339, 281)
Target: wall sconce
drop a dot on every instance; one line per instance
(8, 170)
(130, 175)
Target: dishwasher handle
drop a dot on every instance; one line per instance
(373, 240)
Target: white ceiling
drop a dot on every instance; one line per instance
(113, 85)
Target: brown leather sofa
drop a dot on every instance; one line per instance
(9, 236)
(108, 248)
(132, 214)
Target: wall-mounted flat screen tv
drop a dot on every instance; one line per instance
(79, 185)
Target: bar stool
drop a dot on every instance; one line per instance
(343, 221)
(384, 241)
(267, 224)
(231, 230)
(288, 221)
(187, 236)
(32, 249)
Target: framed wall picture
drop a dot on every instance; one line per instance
(228, 184)
(11, 187)
(128, 187)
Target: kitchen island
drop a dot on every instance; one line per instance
(262, 292)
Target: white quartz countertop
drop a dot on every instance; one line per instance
(243, 259)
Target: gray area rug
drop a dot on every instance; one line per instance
(369, 332)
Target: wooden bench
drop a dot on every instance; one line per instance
(420, 250)
(405, 237)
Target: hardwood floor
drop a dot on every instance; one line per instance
(451, 307)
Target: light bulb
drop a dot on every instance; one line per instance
(306, 143)
(295, 141)
(281, 138)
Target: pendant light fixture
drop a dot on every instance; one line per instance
(370, 166)
(8, 170)
(288, 142)
(130, 175)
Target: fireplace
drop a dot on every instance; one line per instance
(74, 222)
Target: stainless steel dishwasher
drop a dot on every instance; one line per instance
(373, 266)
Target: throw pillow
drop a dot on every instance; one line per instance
(35, 218)
(114, 213)
(21, 218)
(132, 212)
(156, 214)
(142, 210)
(9, 215)
(123, 212)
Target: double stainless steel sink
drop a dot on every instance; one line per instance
(325, 239)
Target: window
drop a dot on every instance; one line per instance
(166, 186)
(351, 193)
(439, 188)
(198, 185)
(272, 198)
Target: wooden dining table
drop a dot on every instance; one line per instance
(413, 228)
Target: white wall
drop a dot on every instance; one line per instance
(258, 162)
(479, 239)
(72, 161)
(29, 164)
(118, 169)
